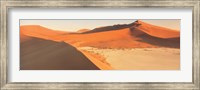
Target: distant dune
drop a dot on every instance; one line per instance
(83, 30)
(110, 28)
(156, 31)
(40, 32)
(135, 35)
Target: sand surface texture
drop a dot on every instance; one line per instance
(140, 58)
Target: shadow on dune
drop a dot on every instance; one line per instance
(110, 28)
(168, 42)
(40, 54)
(171, 42)
(143, 36)
(113, 27)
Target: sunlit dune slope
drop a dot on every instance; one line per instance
(135, 35)
(123, 38)
(156, 31)
(153, 30)
(40, 32)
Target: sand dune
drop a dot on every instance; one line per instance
(119, 39)
(40, 32)
(135, 35)
(110, 28)
(134, 46)
(156, 31)
(98, 60)
(83, 30)
(24, 38)
(40, 54)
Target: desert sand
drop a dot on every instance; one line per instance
(40, 32)
(97, 59)
(134, 46)
(156, 31)
(41, 54)
(135, 35)
(139, 58)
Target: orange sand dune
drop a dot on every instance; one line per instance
(156, 31)
(111, 39)
(39, 45)
(40, 32)
(58, 56)
(135, 35)
(123, 38)
(41, 54)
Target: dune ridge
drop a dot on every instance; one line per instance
(136, 35)
(83, 30)
(156, 31)
(41, 54)
(40, 32)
